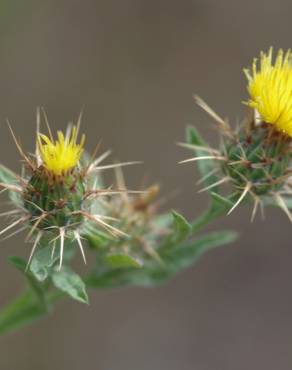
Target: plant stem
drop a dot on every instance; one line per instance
(207, 217)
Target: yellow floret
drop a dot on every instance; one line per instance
(270, 89)
(61, 155)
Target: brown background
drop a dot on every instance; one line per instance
(134, 66)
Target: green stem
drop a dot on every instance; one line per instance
(206, 218)
(217, 208)
(24, 310)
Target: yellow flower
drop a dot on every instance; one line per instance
(61, 155)
(270, 89)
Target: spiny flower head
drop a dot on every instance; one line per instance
(59, 191)
(253, 159)
(61, 155)
(270, 89)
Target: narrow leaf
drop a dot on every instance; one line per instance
(185, 256)
(182, 227)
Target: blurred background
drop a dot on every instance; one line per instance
(134, 67)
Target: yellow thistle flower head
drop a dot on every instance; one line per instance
(270, 89)
(61, 155)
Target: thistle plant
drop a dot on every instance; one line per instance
(64, 206)
(62, 203)
(254, 159)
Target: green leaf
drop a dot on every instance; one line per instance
(18, 262)
(20, 312)
(205, 166)
(220, 202)
(214, 240)
(219, 205)
(24, 310)
(42, 263)
(95, 237)
(163, 221)
(9, 177)
(35, 286)
(154, 273)
(181, 226)
(184, 256)
(70, 283)
(148, 276)
(120, 260)
(43, 260)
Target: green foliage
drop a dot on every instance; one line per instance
(70, 283)
(10, 178)
(42, 263)
(151, 250)
(22, 311)
(173, 255)
(182, 228)
(36, 288)
(206, 167)
(29, 306)
(122, 261)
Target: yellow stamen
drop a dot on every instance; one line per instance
(61, 155)
(270, 89)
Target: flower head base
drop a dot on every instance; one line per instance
(62, 155)
(270, 89)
